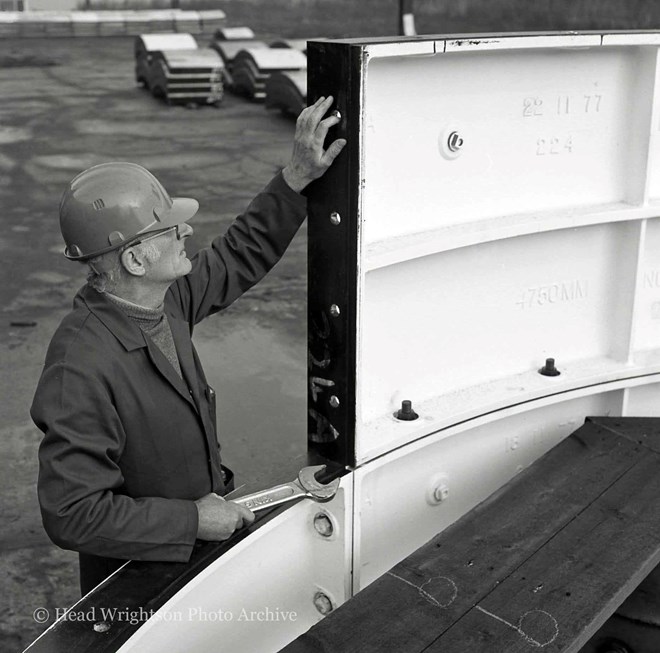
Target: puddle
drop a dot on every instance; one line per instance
(259, 375)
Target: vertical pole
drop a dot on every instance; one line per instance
(406, 18)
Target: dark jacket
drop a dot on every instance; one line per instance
(129, 446)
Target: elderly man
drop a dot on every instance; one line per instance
(129, 464)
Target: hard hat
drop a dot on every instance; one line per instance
(110, 204)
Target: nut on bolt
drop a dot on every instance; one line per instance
(406, 413)
(334, 401)
(335, 218)
(549, 368)
(335, 311)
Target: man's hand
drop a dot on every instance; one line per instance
(309, 160)
(218, 518)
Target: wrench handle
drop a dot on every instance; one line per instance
(271, 497)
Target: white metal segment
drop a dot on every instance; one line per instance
(507, 215)
(261, 593)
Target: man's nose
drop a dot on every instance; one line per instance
(185, 230)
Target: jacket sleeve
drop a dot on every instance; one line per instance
(80, 482)
(235, 261)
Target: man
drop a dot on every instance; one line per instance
(129, 464)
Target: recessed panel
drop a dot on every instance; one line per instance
(453, 138)
(465, 317)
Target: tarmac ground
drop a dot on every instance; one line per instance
(68, 104)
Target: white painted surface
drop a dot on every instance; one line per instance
(279, 568)
(393, 515)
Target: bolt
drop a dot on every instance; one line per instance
(322, 603)
(549, 368)
(406, 413)
(334, 401)
(323, 525)
(441, 492)
(337, 114)
(102, 627)
(335, 218)
(454, 142)
(334, 311)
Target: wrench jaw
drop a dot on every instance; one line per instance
(320, 492)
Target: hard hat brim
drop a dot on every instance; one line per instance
(183, 209)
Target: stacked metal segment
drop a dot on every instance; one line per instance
(228, 42)
(287, 91)
(253, 66)
(173, 67)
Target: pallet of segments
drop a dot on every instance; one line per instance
(212, 20)
(31, 25)
(137, 22)
(85, 23)
(188, 22)
(9, 23)
(187, 76)
(287, 91)
(146, 44)
(58, 23)
(253, 66)
(233, 34)
(162, 20)
(111, 23)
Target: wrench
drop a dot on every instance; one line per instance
(306, 485)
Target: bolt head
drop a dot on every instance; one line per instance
(334, 401)
(102, 627)
(322, 603)
(440, 493)
(335, 218)
(335, 311)
(323, 525)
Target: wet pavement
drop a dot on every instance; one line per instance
(69, 104)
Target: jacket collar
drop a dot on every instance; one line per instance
(119, 324)
(131, 337)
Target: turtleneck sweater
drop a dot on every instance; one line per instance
(153, 322)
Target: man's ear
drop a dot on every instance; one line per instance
(133, 262)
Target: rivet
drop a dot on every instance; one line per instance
(334, 401)
(335, 218)
(337, 114)
(322, 603)
(334, 311)
(323, 524)
(102, 627)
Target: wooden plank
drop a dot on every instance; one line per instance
(641, 430)
(560, 597)
(459, 567)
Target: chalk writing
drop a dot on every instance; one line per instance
(537, 619)
(325, 432)
(447, 582)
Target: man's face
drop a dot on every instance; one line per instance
(172, 263)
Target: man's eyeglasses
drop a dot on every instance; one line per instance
(155, 234)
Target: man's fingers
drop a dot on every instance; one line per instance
(324, 126)
(333, 152)
(318, 110)
(307, 114)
